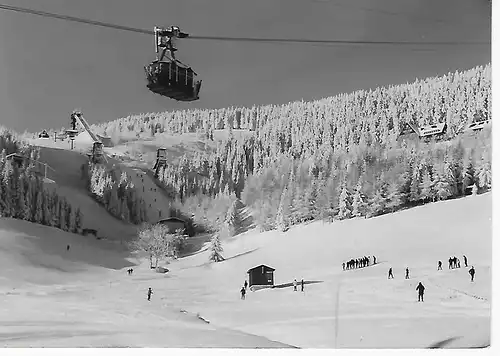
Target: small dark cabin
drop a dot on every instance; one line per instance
(174, 224)
(261, 276)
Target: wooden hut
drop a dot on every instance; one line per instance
(174, 224)
(261, 276)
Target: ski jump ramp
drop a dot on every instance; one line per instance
(106, 141)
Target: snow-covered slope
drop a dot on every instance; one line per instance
(50, 296)
(372, 311)
(359, 308)
(69, 183)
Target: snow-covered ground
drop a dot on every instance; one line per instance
(84, 297)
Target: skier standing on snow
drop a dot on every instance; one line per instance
(420, 289)
(407, 276)
(458, 263)
(374, 260)
(149, 294)
(294, 285)
(440, 266)
(465, 261)
(246, 284)
(472, 272)
(343, 266)
(390, 274)
(302, 285)
(243, 292)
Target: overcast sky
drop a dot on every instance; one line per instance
(48, 67)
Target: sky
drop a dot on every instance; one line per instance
(49, 67)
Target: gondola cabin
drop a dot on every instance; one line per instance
(166, 75)
(261, 276)
(173, 80)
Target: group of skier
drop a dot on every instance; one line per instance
(358, 263)
(453, 262)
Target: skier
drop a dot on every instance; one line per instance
(243, 292)
(294, 285)
(440, 266)
(67, 248)
(458, 263)
(472, 272)
(149, 294)
(343, 266)
(374, 260)
(420, 289)
(302, 285)
(390, 274)
(245, 285)
(465, 261)
(450, 260)
(407, 276)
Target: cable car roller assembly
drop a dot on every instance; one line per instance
(169, 77)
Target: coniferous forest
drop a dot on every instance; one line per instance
(22, 192)
(334, 158)
(115, 192)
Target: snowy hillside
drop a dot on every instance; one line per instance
(358, 308)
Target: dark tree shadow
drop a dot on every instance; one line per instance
(290, 284)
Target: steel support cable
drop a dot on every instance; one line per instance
(242, 39)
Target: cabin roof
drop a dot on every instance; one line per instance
(172, 219)
(267, 268)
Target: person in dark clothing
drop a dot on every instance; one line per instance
(449, 262)
(440, 266)
(420, 289)
(374, 260)
(302, 285)
(407, 275)
(458, 263)
(343, 266)
(294, 285)
(245, 284)
(472, 272)
(149, 294)
(67, 248)
(243, 292)
(465, 261)
(390, 274)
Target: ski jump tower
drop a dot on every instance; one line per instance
(97, 154)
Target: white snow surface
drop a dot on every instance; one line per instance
(51, 297)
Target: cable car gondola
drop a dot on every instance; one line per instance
(168, 76)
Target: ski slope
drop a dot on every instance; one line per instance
(68, 182)
(89, 287)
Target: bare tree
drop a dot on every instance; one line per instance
(155, 240)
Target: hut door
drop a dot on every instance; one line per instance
(269, 277)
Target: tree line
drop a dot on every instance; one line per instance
(23, 194)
